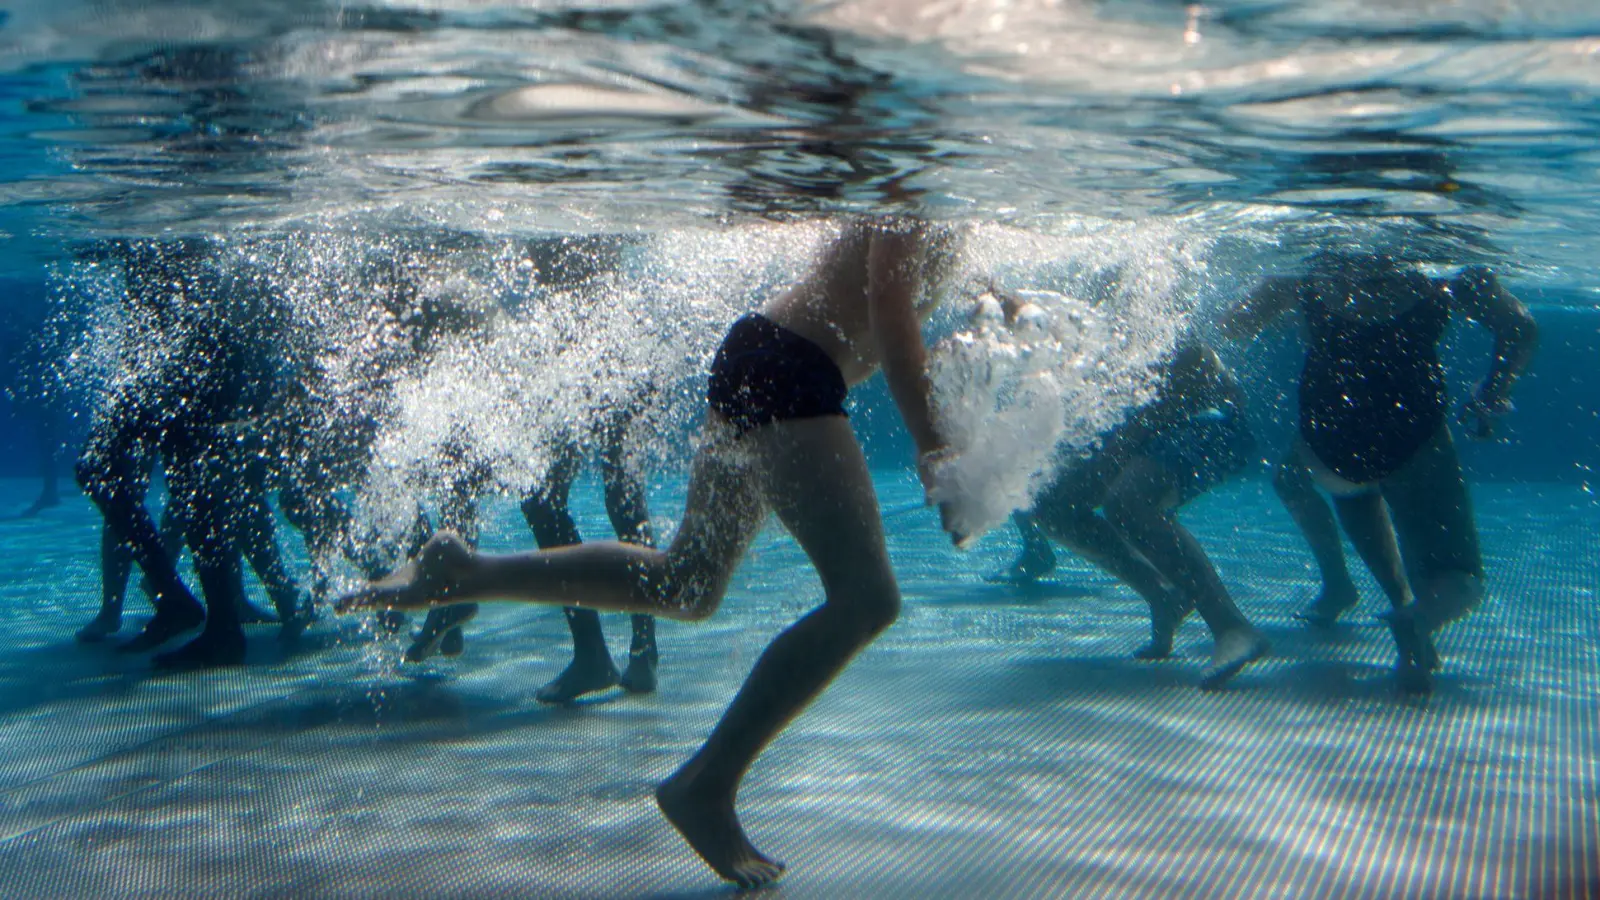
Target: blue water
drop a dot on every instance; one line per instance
(997, 740)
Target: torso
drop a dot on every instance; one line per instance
(829, 305)
(1372, 391)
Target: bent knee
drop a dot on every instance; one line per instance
(1069, 524)
(869, 613)
(687, 596)
(1123, 511)
(883, 613)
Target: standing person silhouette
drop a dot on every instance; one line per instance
(1374, 430)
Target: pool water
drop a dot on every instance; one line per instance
(598, 188)
(996, 741)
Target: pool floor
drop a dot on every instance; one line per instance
(997, 742)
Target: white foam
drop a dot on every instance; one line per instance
(1026, 382)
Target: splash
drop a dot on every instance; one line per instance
(1038, 372)
(556, 366)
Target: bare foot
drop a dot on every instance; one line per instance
(99, 628)
(1165, 616)
(640, 676)
(1233, 651)
(392, 621)
(428, 580)
(586, 674)
(453, 644)
(1413, 679)
(163, 627)
(441, 623)
(1413, 642)
(296, 621)
(1034, 564)
(712, 829)
(207, 651)
(44, 502)
(1334, 601)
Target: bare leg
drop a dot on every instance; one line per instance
(1314, 517)
(49, 447)
(259, 544)
(116, 565)
(202, 477)
(550, 518)
(817, 481)
(629, 511)
(1066, 513)
(1365, 518)
(814, 473)
(113, 471)
(1438, 538)
(174, 528)
(1037, 558)
(1366, 521)
(1140, 506)
(441, 631)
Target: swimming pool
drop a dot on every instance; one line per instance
(462, 231)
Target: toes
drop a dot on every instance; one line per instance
(756, 874)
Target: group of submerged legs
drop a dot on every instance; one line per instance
(1373, 435)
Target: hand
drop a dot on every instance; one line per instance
(928, 465)
(929, 470)
(1479, 415)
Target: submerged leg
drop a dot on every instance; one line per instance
(724, 512)
(628, 509)
(441, 631)
(817, 481)
(259, 539)
(1037, 558)
(1089, 535)
(1365, 518)
(643, 657)
(204, 480)
(116, 565)
(49, 447)
(1140, 506)
(114, 474)
(1438, 534)
(1314, 517)
(546, 511)
(1438, 537)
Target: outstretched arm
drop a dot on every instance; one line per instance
(1262, 307)
(1478, 293)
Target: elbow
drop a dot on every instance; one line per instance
(1528, 330)
(1521, 335)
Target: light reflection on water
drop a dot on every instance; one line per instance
(357, 162)
(1467, 127)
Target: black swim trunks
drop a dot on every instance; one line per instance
(765, 373)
